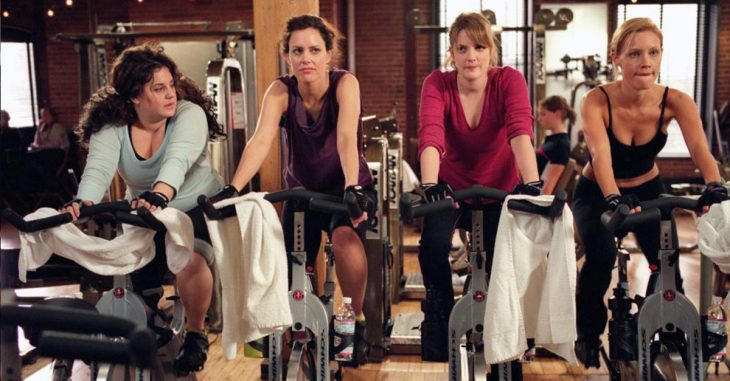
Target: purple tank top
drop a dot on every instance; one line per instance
(313, 161)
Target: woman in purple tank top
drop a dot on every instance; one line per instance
(320, 109)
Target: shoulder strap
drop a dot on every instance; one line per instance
(664, 104)
(610, 118)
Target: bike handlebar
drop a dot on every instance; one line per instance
(120, 209)
(652, 211)
(478, 192)
(65, 334)
(316, 201)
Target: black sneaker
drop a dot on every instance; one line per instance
(193, 353)
(435, 327)
(587, 350)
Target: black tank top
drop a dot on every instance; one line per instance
(630, 161)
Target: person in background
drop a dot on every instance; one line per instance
(553, 155)
(46, 155)
(50, 134)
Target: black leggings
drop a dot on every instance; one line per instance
(435, 244)
(600, 248)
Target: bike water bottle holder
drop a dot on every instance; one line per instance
(622, 338)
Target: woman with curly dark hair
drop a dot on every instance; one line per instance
(152, 125)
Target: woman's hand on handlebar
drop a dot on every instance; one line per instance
(73, 207)
(363, 201)
(228, 191)
(630, 200)
(715, 192)
(433, 192)
(151, 200)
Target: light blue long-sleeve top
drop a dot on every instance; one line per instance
(182, 161)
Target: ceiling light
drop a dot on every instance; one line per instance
(6, 14)
(51, 13)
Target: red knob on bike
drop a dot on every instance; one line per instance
(669, 295)
(479, 296)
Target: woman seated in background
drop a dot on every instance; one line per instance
(553, 154)
(46, 155)
(51, 134)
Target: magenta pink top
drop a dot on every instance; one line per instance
(481, 155)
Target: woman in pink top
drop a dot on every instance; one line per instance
(475, 128)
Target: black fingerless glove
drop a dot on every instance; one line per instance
(614, 200)
(715, 192)
(435, 192)
(157, 199)
(533, 188)
(228, 191)
(364, 201)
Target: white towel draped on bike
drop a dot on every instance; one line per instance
(251, 256)
(125, 253)
(713, 239)
(531, 290)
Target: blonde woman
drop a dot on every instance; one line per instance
(625, 125)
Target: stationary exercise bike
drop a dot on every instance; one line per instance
(121, 300)
(664, 339)
(311, 333)
(467, 316)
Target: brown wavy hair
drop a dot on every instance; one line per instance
(131, 70)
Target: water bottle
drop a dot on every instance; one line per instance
(717, 324)
(345, 326)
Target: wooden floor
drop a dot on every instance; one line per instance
(411, 368)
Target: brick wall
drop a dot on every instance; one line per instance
(381, 54)
(678, 169)
(215, 11)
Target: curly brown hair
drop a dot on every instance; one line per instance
(131, 70)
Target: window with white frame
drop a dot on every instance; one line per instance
(18, 96)
(679, 58)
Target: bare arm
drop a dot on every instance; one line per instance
(552, 174)
(525, 156)
(594, 129)
(694, 136)
(430, 164)
(273, 106)
(348, 99)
